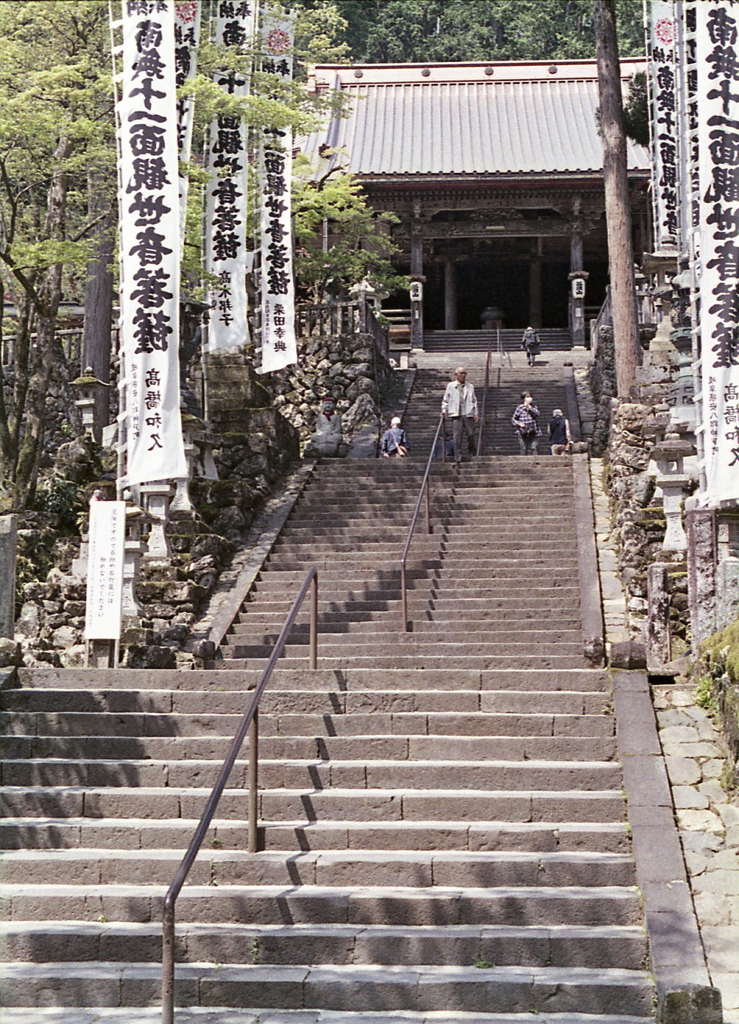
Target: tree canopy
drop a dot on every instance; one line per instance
(407, 31)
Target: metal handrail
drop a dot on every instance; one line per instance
(424, 490)
(250, 723)
(483, 414)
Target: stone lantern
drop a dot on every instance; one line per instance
(133, 551)
(90, 391)
(669, 454)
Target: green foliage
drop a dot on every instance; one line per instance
(380, 31)
(720, 651)
(61, 499)
(636, 110)
(360, 242)
(705, 696)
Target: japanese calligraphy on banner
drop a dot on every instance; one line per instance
(662, 73)
(186, 36)
(225, 244)
(717, 37)
(150, 248)
(275, 180)
(105, 570)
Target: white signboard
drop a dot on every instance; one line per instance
(150, 242)
(225, 228)
(717, 41)
(279, 346)
(105, 570)
(663, 91)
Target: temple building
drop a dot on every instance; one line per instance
(495, 171)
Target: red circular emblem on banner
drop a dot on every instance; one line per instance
(664, 31)
(278, 41)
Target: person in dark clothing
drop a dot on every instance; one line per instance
(394, 442)
(559, 433)
(530, 342)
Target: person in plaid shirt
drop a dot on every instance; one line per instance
(525, 421)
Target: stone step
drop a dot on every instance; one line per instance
(261, 628)
(433, 618)
(418, 602)
(320, 774)
(476, 524)
(22, 768)
(143, 833)
(497, 990)
(271, 587)
(526, 561)
(535, 681)
(556, 720)
(511, 804)
(361, 632)
(537, 946)
(364, 573)
(226, 1015)
(328, 868)
(339, 904)
(423, 661)
(337, 722)
(565, 546)
(406, 644)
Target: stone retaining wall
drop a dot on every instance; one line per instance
(257, 426)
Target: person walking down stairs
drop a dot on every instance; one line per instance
(525, 422)
(459, 404)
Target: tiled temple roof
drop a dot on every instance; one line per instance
(466, 119)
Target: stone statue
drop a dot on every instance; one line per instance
(327, 441)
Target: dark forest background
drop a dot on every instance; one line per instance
(391, 31)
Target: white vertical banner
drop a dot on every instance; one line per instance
(105, 570)
(279, 346)
(663, 94)
(186, 38)
(225, 228)
(150, 248)
(717, 38)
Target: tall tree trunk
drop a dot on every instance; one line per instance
(99, 292)
(47, 358)
(618, 213)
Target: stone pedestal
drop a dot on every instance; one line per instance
(156, 498)
(8, 551)
(727, 592)
(659, 651)
(700, 525)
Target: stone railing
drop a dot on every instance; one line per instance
(337, 319)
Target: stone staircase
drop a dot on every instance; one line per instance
(546, 384)
(442, 814)
(552, 339)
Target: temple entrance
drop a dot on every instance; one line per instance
(491, 281)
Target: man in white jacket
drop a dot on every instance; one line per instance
(460, 406)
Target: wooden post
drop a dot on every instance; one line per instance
(535, 284)
(417, 276)
(450, 296)
(618, 213)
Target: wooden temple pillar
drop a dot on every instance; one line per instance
(578, 277)
(535, 283)
(450, 296)
(417, 282)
